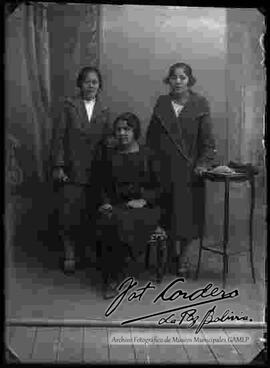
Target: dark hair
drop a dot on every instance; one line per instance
(187, 69)
(132, 121)
(83, 73)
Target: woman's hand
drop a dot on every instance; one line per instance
(136, 203)
(199, 170)
(105, 208)
(59, 175)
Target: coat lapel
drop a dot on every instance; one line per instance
(173, 125)
(187, 124)
(97, 111)
(86, 125)
(82, 113)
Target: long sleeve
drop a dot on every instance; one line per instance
(107, 129)
(153, 134)
(160, 169)
(101, 174)
(206, 141)
(151, 188)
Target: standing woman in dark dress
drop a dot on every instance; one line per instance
(180, 132)
(83, 123)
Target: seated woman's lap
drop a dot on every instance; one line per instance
(129, 226)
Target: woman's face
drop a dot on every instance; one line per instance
(179, 81)
(124, 133)
(90, 86)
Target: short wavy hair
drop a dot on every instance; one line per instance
(187, 69)
(83, 73)
(132, 121)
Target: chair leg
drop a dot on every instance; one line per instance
(147, 254)
(161, 261)
(158, 263)
(170, 254)
(199, 258)
(98, 254)
(225, 269)
(164, 257)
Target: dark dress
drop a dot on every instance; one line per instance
(181, 144)
(123, 177)
(75, 142)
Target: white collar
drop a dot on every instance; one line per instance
(177, 104)
(90, 102)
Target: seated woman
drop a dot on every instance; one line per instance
(128, 180)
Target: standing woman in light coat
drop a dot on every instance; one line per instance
(84, 122)
(180, 132)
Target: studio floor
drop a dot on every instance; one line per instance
(37, 288)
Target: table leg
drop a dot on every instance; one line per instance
(158, 264)
(199, 257)
(177, 259)
(201, 237)
(147, 256)
(164, 257)
(252, 205)
(226, 229)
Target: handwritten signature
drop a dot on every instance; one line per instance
(189, 314)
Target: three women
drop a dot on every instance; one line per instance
(180, 144)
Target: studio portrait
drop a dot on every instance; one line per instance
(135, 184)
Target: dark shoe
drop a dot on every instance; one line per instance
(183, 268)
(110, 290)
(69, 265)
(69, 257)
(183, 272)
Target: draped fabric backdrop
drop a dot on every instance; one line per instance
(37, 51)
(46, 44)
(33, 63)
(32, 77)
(246, 87)
(74, 43)
(28, 99)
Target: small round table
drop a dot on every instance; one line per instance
(227, 179)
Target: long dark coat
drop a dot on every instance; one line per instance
(182, 144)
(75, 142)
(76, 138)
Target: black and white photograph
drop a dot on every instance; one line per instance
(135, 184)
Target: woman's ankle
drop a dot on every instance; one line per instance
(69, 249)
